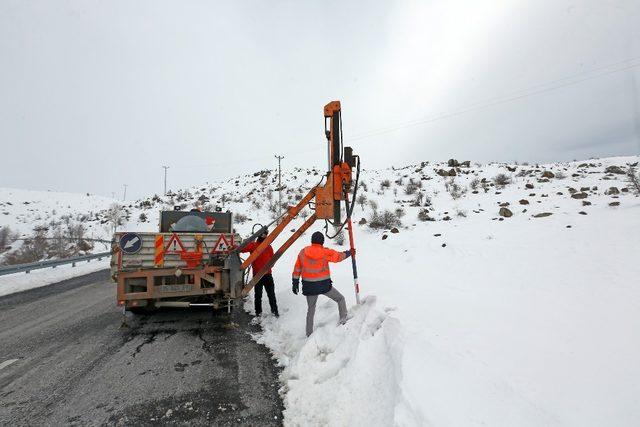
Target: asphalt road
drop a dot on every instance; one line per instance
(65, 360)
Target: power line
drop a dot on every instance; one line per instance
(555, 85)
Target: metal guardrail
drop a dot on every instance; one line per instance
(26, 268)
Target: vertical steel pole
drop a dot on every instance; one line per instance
(352, 246)
(279, 186)
(165, 179)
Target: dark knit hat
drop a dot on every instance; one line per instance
(317, 237)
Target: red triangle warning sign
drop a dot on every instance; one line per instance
(222, 245)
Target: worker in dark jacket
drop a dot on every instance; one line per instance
(265, 281)
(312, 265)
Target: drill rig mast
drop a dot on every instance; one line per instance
(325, 199)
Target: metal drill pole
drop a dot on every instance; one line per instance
(352, 246)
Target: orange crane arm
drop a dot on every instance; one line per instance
(276, 256)
(327, 197)
(291, 213)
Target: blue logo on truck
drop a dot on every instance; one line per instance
(130, 243)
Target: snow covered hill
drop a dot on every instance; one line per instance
(503, 294)
(22, 210)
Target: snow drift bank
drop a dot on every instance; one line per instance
(342, 375)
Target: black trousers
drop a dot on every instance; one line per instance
(266, 282)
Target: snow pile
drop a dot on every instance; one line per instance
(342, 375)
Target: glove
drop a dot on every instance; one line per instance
(349, 252)
(294, 286)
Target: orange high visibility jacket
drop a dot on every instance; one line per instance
(313, 261)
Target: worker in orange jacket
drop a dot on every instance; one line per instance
(312, 265)
(266, 281)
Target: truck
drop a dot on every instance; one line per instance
(189, 262)
(194, 258)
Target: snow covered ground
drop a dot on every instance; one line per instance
(517, 322)
(21, 210)
(469, 317)
(19, 282)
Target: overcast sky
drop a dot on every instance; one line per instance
(96, 94)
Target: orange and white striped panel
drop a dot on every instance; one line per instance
(159, 251)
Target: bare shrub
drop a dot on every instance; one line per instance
(423, 215)
(454, 189)
(501, 180)
(33, 249)
(385, 184)
(340, 238)
(384, 220)
(5, 238)
(59, 244)
(461, 213)
(142, 217)
(412, 187)
(115, 216)
(560, 175)
(76, 234)
(633, 178)
(374, 205)
(362, 200)
(400, 213)
(272, 206)
(417, 201)
(475, 184)
(240, 218)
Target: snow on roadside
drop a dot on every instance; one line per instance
(342, 375)
(19, 282)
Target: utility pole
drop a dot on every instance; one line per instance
(124, 195)
(165, 179)
(279, 186)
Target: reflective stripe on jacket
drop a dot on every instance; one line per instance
(313, 261)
